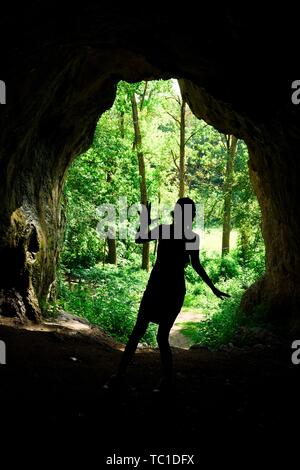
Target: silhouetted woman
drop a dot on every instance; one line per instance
(163, 298)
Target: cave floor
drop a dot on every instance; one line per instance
(53, 383)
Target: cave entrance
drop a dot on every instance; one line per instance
(149, 146)
(59, 88)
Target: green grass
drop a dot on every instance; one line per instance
(212, 240)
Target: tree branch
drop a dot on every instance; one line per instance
(143, 96)
(224, 141)
(192, 134)
(173, 117)
(174, 159)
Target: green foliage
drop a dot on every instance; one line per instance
(109, 296)
(101, 295)
(222, 321)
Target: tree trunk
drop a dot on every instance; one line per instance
(182, 150)
(231, 142)
(244, 243)
(122, 124)
(142, 172)
(111, 257)
(156, 241)
(143, 96)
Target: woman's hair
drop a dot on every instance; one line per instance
(186, 201)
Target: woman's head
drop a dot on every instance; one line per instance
(187, 206)
(184, 213)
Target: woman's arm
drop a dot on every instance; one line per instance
(195, 261)
(149, 235)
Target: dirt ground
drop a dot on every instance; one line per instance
(177, 339)
(225, 402)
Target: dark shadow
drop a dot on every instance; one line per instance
(178, 245)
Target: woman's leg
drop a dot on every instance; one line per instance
(165, 352)
(137, 333)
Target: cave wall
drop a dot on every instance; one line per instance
(274, 169)
(61, 69)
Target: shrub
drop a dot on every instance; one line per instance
(222, 320)
(102, 295)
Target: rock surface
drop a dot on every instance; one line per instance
(61, 68)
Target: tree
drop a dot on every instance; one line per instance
(154, 117)
(182, 149)
(142, 170)
(111, 257)
(231, 145)
(181, 124)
